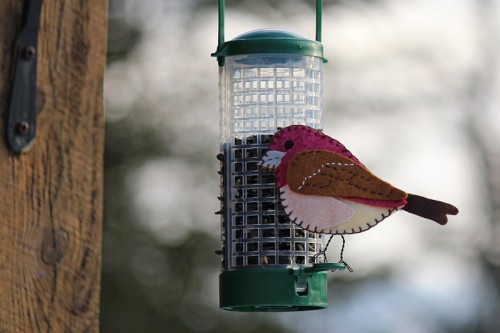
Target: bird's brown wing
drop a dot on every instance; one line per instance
(325, 173)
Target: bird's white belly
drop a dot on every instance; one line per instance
(331, 215)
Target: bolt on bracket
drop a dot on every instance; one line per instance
(21, 113)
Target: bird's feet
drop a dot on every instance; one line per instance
(342, 261)
(346, 265)
(325, 259)
(315, 257)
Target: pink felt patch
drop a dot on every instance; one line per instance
(380, 203)
(304, 138)
(314, 212)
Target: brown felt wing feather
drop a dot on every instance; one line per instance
(325, 173)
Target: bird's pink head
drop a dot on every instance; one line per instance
(293, 139)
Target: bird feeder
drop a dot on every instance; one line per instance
(269, 79)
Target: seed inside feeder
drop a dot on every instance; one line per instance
(260, 231)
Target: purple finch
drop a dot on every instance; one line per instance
(325, 188)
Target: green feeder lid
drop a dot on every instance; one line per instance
(268, 41)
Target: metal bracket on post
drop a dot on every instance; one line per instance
(21, 113)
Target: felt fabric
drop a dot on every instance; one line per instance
(364, 218)
(430, 209)
(325, 188)
(321, 172)
(330, 215)
(302, 138)
(314, 212)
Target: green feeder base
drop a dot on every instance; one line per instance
(276, 289)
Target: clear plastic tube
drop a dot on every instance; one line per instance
(258, 95)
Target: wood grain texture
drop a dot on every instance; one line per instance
(51, 197)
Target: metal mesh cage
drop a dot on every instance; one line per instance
(259, 94)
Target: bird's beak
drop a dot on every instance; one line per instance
(271, 159)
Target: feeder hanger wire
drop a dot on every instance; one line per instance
(221, 35)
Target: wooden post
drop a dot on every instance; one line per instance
(51, 196)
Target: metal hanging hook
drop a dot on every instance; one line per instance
(221, 14)
(319, 19)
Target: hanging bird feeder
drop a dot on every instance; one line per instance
(269, 79)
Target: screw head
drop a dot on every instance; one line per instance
(22, 128)
(29, 52)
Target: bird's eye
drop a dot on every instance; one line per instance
(288, 144)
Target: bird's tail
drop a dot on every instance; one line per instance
(430, 209)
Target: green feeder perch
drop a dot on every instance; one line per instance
(269, 79)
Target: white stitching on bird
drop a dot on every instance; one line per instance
(319, 170)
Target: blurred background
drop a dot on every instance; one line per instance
(411, 88)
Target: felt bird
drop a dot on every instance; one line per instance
(325, 188)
